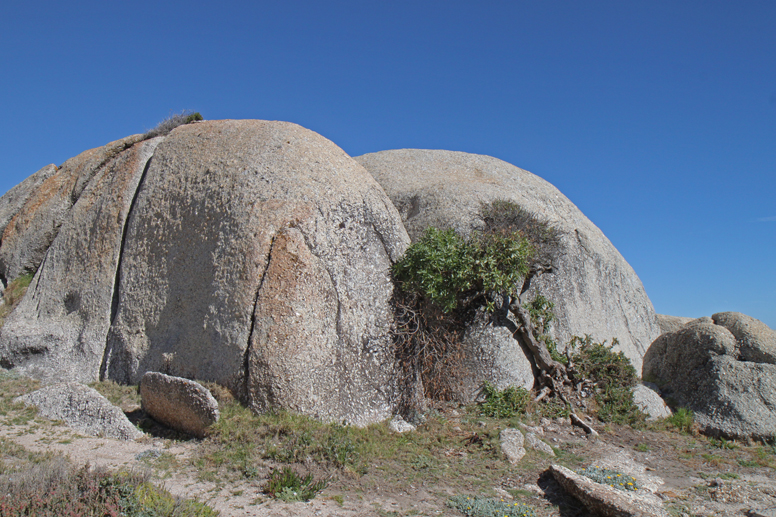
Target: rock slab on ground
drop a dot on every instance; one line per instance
(83, 409)
(602, 499)
(178, 403)
(704, 367)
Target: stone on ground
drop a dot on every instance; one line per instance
(512, 441)
(647, 398)
(178, 403)
(83, 409)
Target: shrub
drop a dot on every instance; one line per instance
(473, 506)
(614, 376)
(287, 485)
(173, 121)
(504, 403)
(612, 478)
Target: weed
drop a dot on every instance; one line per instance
(612, 478)
(287, 485)
(474, 506)
(682, 420)
(173, 121)
(722, 443)
(123, 396)
(642, 447)
(712, 459)
(13, 294)
(504, 403)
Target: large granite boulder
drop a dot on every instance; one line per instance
(249, 253)
(58, 331)
(594, 289)
(671, 323)
(728, 380)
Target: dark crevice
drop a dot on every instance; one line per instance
(117, 279)
(246, 358)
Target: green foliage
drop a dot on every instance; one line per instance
(173, 121)
(504, 403)
(13, 294)
(682, 420)
(474, 506)
(615, 377)
(612, 478)
(287, 485)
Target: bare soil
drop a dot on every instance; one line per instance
(692, 474)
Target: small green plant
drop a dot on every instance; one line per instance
(722, 443)
(287, 485)
(13, 294)
(615, 377)
(475, 506)
(642, 447)
(173, 121)
(612, 478)
(682, 420)
(504, 403)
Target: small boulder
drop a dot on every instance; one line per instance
(756, 340)
(604, 500)
(178, 403)
(512, 441)
(83, 409)
(647, 398)
(535, 443)
(399, 425)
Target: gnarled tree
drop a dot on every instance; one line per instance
(492, 268)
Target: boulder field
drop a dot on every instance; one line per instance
(257, 255)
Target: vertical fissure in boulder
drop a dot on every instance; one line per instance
(247, 357)
(114, 306)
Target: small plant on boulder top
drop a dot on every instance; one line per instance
(612, 478)
(173, 121)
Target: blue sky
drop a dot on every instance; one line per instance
(657, 119)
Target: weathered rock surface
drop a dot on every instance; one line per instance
(604, 500)
(250, 253)
(512, 441)
(267, 271)
(756, 340)
(13, 200)
(535, 443)
(58, 331)
(83, 409)
(647, 398)
(34, 226)
(595, 291)
(399, 425)
(702, 367)
(178, 403)
(671, 323)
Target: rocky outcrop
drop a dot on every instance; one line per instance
(249, 253)
(594, 289)
(671, 323)
(32, 228)
(14, 199)
(178, 403)
(83, 409)
(603, 499)
(703, 366)
(58, 331)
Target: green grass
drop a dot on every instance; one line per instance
(13, 294)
